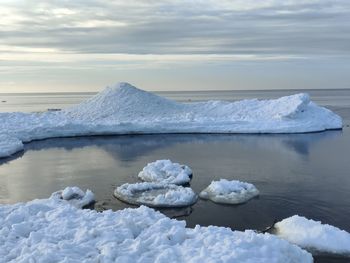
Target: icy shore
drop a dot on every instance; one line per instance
(53, 230)
(124, 109)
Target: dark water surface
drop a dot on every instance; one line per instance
(304, 174)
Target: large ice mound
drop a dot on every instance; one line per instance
(50, 230)
(313, 235)
(124, 109)
(165, 171)
(156, 194)
(229, 192)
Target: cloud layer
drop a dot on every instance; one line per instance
(134, 35)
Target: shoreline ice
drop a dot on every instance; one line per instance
(124, 109)
(53, 230)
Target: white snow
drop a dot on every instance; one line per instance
(165, 171)
(9, 145)
(124, 109)
(314, 235)
(52, 230)
(156, 194)
(75, 196)
(229, 192)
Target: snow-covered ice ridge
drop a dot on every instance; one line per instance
(53, 230)
(124, 109)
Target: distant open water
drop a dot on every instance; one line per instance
(305, 174)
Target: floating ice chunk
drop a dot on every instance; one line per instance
(229, 192)
(49, 230)
(9, 145)
(313, 235)
(75, 196)
(165, 171)
(156, 194)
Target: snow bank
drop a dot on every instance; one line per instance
(9, 145)
(75, 196)
(124, 109)
(314, 235)
(165, 171)
(156, 194)
(51, 230)
(229, 192)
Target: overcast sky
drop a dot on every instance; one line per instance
(85, 45)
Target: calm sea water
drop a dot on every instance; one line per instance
(304, 174)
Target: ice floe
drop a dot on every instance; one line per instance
(156, 194)
(124, 109)
(229, 192)
(75, 196)
(313, 235)
(165, 171)
(9, 145)
(52, 230)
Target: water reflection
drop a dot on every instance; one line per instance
(102, 163)
(131, 147)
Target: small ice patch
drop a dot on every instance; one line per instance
(75, 196)
(165, 171)
(156, 194)
(229, 192)
(314, 235)
(9, 145)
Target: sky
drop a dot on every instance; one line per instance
(85, 45)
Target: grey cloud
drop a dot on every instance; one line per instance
(171, 27)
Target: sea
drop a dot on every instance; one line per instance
(303, 174)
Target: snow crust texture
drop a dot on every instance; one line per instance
(124, 109)
(165, 171)
(156, 194)
(229, 192)
(52, 230)
(313, 235)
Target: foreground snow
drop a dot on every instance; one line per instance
(156, 194)
(124, 109)
(314, 235)
(52, 230)
(165, 171)
(229, 192)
